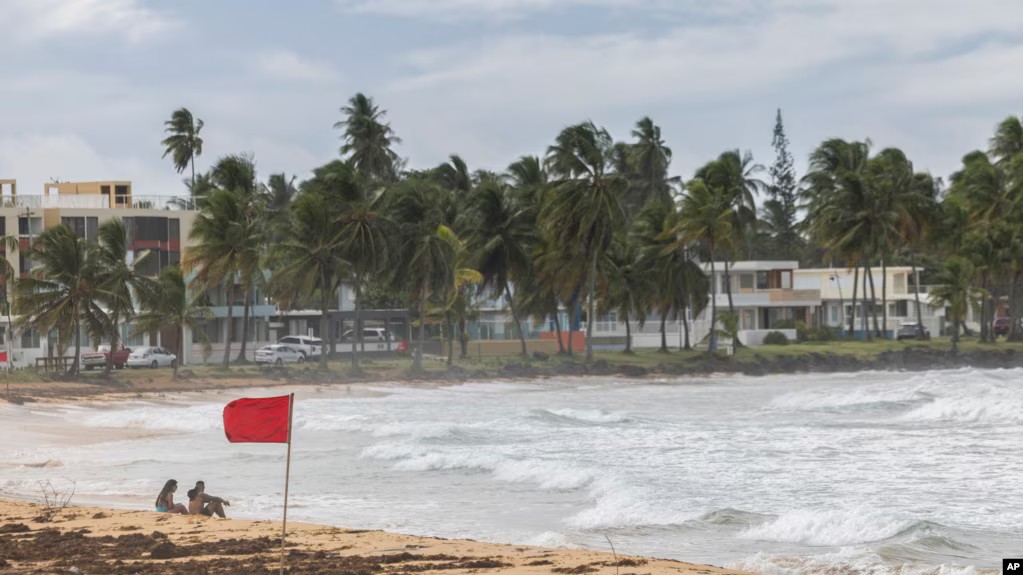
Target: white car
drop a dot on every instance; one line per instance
(278, 355)
(307, 346)
(369, 335)
(153, 357)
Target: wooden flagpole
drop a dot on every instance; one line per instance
(287, 478)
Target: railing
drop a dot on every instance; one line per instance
(96, 201)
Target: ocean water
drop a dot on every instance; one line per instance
(876, 472)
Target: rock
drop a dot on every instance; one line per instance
(74, 571)
(158, 535)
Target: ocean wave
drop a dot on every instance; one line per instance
(618, 505)
(585, 416)
(546, 474)
(729, 516)
(548, 539)
(847, 560)
(866, 398)
(993, 405)
(828, 527)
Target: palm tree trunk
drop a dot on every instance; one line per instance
(983, 313)
(685, 329)
(448, 325)
(463, 339)
(179, 350)
(192, 154)
(852, 312)
(664, 333)
(919, 310)
(515, 316)
(245, 324)
(873, 303)
(230, 322)
(557, 329)
(866, 315)
(417, 361)
(358, 328)
(1012, 307)
(591, 296)
(324, 315)
(736, 344)
(573, 303)
(628, 336)
(712, 345)
(113, 344)
(884, 299)
(78, 348)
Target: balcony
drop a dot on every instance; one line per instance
(102, 202)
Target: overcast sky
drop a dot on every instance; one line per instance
(85, 85)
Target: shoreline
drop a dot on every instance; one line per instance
(105, 540)
(123, 385)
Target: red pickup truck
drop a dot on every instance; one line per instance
(98, 358)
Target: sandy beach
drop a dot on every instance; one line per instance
(96, 540)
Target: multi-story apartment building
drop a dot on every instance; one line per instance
(156, 224)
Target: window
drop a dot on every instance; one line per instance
(899, 309)
(745, 281)
(83, 227)
(786, 280)
(762, 280)
(23, 226)
(30, 338)
(900, 283)
(3, 336)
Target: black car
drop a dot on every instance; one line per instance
(912, 331)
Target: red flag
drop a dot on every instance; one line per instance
(263, 420)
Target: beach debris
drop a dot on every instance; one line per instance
(14, 528)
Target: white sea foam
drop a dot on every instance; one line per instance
(161, 418)
(589, 415)
(549, 539)
(831, 527)
(990, 405)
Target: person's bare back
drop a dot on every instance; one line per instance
(201, 503)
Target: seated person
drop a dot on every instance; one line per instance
(165, 500)
(201, 503)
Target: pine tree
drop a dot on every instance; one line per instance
(779, 212)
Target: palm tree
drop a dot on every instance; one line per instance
(651, 233)
(63, 292)
(237, 172)
(183, 144)
(499, 234)
(277, 194)
(118, 279)
(839, 204)
(460, 277)
(955, 290)
(650, 158)
(1007, 143)
(734, 175)
(629, 287)
(584, 206)
(707, 217)
(166, 302)
(368, 141)
(308, 262)
(363, 244)
(223, 236)
(424, 255)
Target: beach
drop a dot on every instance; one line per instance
(876, 472)
(103, 540)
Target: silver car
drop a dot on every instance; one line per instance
(277, 354)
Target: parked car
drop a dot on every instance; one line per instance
(307, 346)
(369, 334)
(98, 358)
(153, 357)
(278, 354)
(1001, 326)
(912, 331)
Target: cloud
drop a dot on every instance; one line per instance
(287, 65)
(467, 9)
(858, 68)
(36, 158)
(40, 19)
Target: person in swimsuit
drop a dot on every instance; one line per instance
(201, 503)
(165, 500)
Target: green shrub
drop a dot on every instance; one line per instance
(776, 338)
(785, 324)
(825, 333)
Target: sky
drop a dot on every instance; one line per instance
(85, 85)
